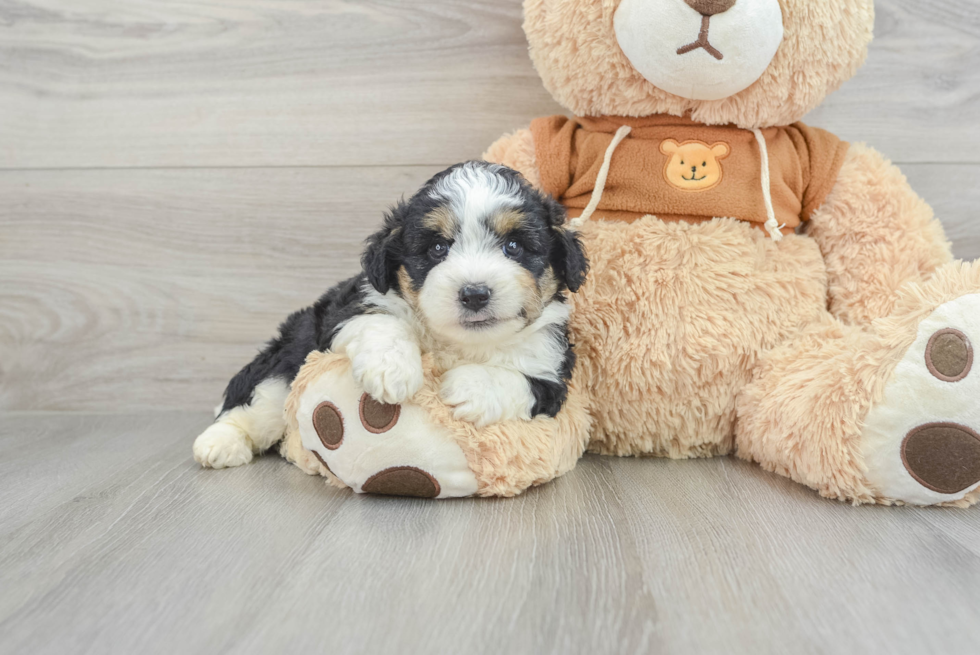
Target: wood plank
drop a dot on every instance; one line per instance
(148, 289)
(125, 545)
(953, 192)
(333, 82)
(916, 98)
(260, 82)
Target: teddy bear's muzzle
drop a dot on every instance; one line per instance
(707, 9)
(700, 49)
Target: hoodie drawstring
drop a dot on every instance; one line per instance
(600, 183)
(772, 225)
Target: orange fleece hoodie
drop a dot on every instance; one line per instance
(677, 169)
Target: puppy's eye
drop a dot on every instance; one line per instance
(513, 249)
(438, 250)
(704, 163)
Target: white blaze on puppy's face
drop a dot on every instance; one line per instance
(484, 208)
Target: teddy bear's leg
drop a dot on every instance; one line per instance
(876, 235)
(417, 448)
(883, 414)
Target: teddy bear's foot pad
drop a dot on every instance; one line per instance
(921, 443)
(943, 457)
(377, 448)
(402, 481)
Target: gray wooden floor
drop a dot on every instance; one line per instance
(113, 540)
(176, 176)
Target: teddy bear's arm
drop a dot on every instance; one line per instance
(875, 234)
(517, 151)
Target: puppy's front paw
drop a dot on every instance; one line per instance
(390, 373)
(483, 395)
(222, 446)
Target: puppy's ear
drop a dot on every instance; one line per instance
(556, 211)
(383, 250)
(568, 258)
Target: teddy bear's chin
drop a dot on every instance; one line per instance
(662, 40)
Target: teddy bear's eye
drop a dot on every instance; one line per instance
(704, 163)
(682, 162)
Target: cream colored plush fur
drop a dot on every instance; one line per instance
(876, 234)
(665, 348)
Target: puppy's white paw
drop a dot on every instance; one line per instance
(483, 395)
(389, 372)
(222, 446)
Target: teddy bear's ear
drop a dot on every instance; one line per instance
(720, 150)
(669, 147)
(382, 250)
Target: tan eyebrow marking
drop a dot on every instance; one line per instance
(505, 222)
(442, 220)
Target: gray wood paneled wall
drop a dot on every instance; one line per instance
(176, 177)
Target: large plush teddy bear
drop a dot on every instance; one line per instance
(757, 286)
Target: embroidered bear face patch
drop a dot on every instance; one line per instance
(694, 165)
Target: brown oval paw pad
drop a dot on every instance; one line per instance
(402, 481)
(378, 417)
(949, 355)
(329, 425)
(944, 457)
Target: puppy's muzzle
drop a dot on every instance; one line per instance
(474, 297)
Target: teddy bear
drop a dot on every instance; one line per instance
(758, 287)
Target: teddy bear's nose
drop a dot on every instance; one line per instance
(710, 7)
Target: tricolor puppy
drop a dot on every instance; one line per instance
(472, 269)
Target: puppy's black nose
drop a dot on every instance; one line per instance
(474, 297)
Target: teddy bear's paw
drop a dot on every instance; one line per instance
(380, 448)
(921, 443)
(222, 445)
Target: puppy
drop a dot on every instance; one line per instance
(472, 269)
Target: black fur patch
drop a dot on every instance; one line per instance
(309, 329)
(549, 397)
